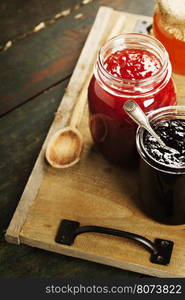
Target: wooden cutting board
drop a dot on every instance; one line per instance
(93, 192)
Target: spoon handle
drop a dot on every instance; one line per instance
(79, 108)
(137, 115)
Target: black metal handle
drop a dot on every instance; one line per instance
(132, 236)
(161, 249)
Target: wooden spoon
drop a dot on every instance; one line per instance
(65, 146)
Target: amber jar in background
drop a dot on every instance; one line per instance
(169, 28)
(112, 130)
(162, 185)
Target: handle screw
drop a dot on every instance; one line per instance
(164, 243)
(159, 259)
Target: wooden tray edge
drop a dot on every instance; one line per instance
(68, 100)
(65, 250)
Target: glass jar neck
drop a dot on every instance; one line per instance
(156, 116)
(134, 88)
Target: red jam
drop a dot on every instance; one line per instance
(132, 64)
(112, 130)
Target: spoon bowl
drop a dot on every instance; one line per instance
(64, 148)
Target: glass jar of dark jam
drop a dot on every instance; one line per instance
(129, 66)
(162, 171)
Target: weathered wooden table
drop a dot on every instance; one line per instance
(39, 45)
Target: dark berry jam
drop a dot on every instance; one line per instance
(172, 132)
(124, 74)
(162, 173)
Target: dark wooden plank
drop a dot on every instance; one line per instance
(48, 56)
(19, 16)
(22, 133)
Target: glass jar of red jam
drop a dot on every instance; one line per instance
(162, 171)
(129, 66)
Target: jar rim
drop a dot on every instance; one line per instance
(153, 116)
(134, 37)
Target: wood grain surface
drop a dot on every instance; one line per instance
(94, 193)
(30, 124)
(24, 128)
(43, 59)
(18, 18)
